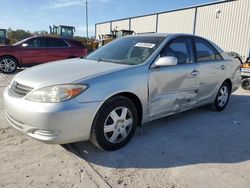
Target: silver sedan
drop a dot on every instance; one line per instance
(128, 82)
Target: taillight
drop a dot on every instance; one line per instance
(85, 51)
(246, 65)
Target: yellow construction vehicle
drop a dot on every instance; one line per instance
(104, 39)
(3, 37)
(62, 31)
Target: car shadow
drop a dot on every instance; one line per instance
(194, 137)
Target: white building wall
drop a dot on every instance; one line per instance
(121, 24)
(102, 29)
(231, 29)
(176, 21)
(145, 24)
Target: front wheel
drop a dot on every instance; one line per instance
(222, 97)
(114, 124)
(8, 64)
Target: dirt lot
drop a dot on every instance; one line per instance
(198, 148)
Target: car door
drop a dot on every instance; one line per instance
(32, 51)
(174, 88)
(57, 49)
(211, 67)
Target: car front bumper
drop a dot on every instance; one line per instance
(54, 123)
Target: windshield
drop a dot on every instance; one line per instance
(127, 50)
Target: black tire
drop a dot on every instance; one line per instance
(8, 64)
(218, 105)
(245, 83)
(116, 104)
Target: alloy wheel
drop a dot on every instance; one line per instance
(7, 65)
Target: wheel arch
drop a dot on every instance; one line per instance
(135, 99)
(96, 134)
(18, 63)
(229, 82)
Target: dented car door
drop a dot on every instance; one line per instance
(211, 68)
(174, 89)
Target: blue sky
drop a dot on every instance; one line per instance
(36, 15)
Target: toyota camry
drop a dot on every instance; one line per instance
(124, 84)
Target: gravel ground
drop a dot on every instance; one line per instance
(198, 148)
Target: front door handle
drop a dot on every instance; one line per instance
(195, 73)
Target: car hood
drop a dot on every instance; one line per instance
(63, 72)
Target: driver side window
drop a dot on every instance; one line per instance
(36, 43)
(179, 48)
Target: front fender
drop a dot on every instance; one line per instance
(103, 87)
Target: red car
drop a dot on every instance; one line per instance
(36, 50)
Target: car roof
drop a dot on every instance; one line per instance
(167, 35)
(174, 35)
(162, 34)
(50, 37)
(42, 36)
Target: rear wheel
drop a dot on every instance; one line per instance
(222, 97)
(8, 64)
(114, 124)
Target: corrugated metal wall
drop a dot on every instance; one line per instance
(225, 23)
(102, 29)
(176, 22)
(119, 25)
(145, 24)
(230, 28)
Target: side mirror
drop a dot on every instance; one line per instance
(25, 45)
(166, 61)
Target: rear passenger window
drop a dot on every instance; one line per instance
(205, 51)
(179, 48)
(56, 43)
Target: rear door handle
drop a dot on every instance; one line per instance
(195, 73)
(222, 67)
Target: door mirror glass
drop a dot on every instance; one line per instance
(25, 45)
(166, 61)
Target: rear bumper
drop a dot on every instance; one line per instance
(57, 123)
(245, 74)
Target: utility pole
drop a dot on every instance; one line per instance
(87, 27)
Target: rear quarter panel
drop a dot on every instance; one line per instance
(233, 70)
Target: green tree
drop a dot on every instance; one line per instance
(43, 32)
(17, 35)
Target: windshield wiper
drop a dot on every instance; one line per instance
(102, 59)
(98, 60)
(109, 61)
(117, 62)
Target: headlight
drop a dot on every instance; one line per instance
(56, 94)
